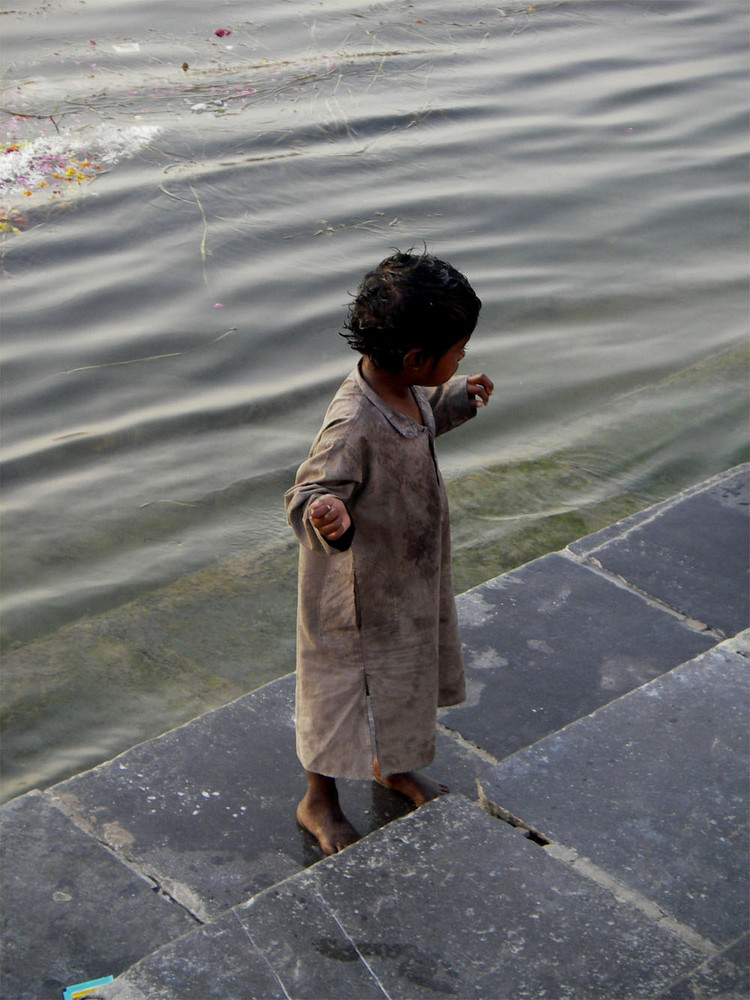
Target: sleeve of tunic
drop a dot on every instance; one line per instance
(336, 465)
(450, 404)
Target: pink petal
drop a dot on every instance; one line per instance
(222, 32)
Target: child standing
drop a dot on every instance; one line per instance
(376, 614)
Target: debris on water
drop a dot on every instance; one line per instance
(222, 32)
(50, 165)
(40, 163)
(186, 66)
(12, 222)
(215, 106)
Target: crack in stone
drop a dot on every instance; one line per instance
(329, 909)
(261, 954)
(594, 873)
(499, 812)
(68, 806)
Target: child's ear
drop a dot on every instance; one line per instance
(415, 359)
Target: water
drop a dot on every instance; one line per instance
(171, 302)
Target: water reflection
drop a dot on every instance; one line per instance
(170, 325)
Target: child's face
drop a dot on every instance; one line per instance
(439, 370)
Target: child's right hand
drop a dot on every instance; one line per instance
(330, 517)
(480, 388)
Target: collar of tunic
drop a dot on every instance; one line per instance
(399, 421)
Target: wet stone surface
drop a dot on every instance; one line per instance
(595, 716)
(672, 554)
(553, 641)
(380, 920)
(71, 910)
(208, 810)
(655, 791)
(195, 810)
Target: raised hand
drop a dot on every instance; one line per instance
(480, 388)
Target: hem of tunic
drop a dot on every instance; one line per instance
(360, 775)
(448, 703)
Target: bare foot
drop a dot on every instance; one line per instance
(324, 819)
(417, 787)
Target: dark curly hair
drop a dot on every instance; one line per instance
(410, 301)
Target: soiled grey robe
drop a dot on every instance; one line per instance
(378, 618)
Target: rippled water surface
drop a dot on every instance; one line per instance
(184, 216)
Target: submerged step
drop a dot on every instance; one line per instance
(672, 551)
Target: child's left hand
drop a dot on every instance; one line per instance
(330, 517)
(480, 388)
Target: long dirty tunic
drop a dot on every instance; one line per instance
(378, 618)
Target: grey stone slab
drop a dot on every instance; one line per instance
(458, 764)
(552, 641)
(305, 945)
(71, 910)
(446, 902)
(653, 789)
(208, 810)
(216, 962)
(588, 543)
(691, 552)
(451, 902)
(726, 976)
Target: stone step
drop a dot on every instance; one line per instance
(565, 634)
(631, 882)
(651, 791)
(189, 824)
(446, 902)
(201, 820)
(72, 911)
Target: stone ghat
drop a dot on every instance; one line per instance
(594, 844)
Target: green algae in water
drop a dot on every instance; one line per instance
(511, 513)
(103, 683)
